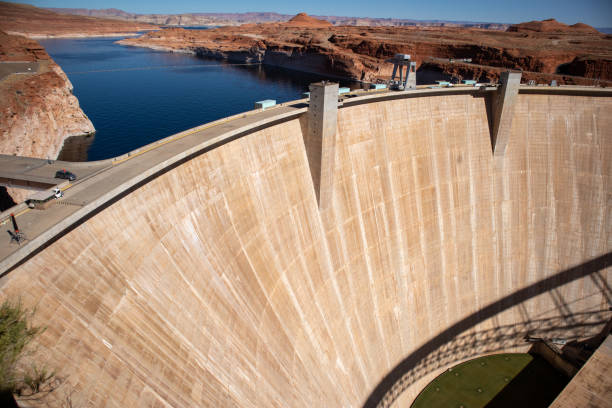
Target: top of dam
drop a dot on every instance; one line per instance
(103, 181)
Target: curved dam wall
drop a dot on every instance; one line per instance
(221, 283)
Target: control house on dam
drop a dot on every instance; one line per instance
(326, 252)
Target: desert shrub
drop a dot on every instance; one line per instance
(16, 332)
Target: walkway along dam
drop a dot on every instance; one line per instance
(317, 255)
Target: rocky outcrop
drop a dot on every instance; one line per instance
(487, 74)
(37, 108)
(361, 53)
(304, 20)
(551, 26)
(588, 66)
(233, 19)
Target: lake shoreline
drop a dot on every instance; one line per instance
(135, 96)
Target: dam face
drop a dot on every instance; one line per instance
(222, 283)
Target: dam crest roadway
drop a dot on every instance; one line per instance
(266, 260)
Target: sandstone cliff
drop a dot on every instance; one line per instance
(37, 108)
(588, 66)
(572, 75)
(223, 19)
(551, 26)
(361, 53)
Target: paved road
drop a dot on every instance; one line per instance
(23, 171)
(8, 68)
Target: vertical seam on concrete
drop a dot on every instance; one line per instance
(418, 196)
(440, 215)
(453, 223)
(401, 280)
(550, 197)
(475, 272)
(366, 257)
(531, 210)
(600, 160)
(351, 288)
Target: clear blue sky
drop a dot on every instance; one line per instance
(597, 13)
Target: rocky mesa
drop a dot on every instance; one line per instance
(551, 26)
(223, 19)
(361, 53)
(40, 23)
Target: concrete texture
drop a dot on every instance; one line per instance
(592, 386)
(411, 76)
(219, 282)
(89, 194)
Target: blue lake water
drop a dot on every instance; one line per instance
(135, 96)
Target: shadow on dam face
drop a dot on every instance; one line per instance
(459, 343)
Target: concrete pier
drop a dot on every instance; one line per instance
(320, 139)
(503, 110)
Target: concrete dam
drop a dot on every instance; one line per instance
(343, 265)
